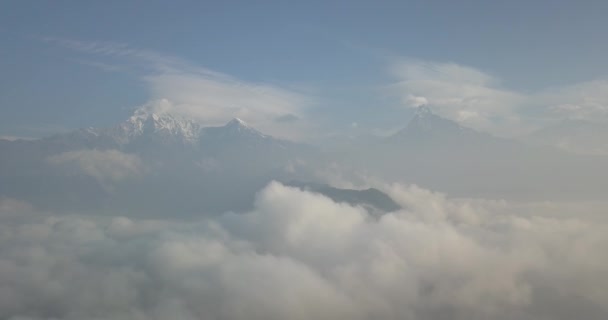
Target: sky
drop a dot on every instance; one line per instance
(289, 69)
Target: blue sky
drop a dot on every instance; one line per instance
(505, 67)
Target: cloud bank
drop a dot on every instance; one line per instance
(299, 255)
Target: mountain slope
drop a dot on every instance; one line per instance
(154, 163)
(426, 128)
(425, 123)
(148, 163)
(440, 154)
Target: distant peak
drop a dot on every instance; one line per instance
(143, 115)
(423, 110)
(240, 127)
(426, 123)
(236, 122)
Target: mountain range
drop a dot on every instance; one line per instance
(151, 163)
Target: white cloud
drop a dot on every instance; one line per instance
(458, 92)
(587, 100)
(15, 138)
(123, 54)
(212, 98)
(416, 101)
(299, 255)
(476, 98)
(462, 93)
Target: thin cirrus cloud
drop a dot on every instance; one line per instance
(300, 255)
(477, 99)
(185, 89)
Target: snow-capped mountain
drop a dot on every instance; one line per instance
(166, 126)
(150, 163)
(152, 127)
(156, 162)
(427, 125)
(234, 129)
(146, 129)
(441, 154)
(425, 121)
(237, 126)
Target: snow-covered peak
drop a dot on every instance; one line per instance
(141, 113)
(424, 119)
(144, 123)
(425, 123)
(240, 127)
(237, 123)
(147, 126)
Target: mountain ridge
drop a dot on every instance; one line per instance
(425, 124)
(163, 129)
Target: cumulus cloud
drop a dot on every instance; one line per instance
(477, 99)
(416, 101)
(299, 255)
(103, 165)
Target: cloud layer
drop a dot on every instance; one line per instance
(299, 255)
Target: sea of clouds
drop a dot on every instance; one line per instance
(299, 255)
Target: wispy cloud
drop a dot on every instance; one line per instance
(135, 57)
(477, 98)
(101, 65)
(14, 138)
(184, 88)
(586, 100)
(461, 93)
